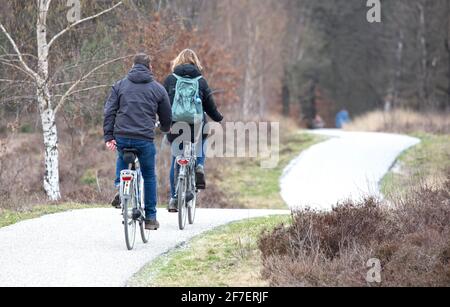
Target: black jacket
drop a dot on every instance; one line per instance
(133, 106)
(206, 95)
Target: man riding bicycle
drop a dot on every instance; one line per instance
(131, 113)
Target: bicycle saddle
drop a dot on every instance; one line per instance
(130, 155)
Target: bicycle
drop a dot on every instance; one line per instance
(132, 199)
(186, 189)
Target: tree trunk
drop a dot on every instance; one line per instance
(312, 114)
(51, 177)
(262, 93)
(447, 45)
(286, 99)
(399, 69)
(250, 75)
(50, 135)
(423, 77)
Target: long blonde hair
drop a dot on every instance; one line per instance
(187, 56)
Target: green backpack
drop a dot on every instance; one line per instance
(187, 106)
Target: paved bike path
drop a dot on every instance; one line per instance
(87, 247)
(350, 165)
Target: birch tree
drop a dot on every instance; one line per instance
(39, 75)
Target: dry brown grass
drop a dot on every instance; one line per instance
(412, 240)
(402, 121)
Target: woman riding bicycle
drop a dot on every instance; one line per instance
(187, 65)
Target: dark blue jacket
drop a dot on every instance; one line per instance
(134, 106)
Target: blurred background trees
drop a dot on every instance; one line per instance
(268, 56)
(295, 58)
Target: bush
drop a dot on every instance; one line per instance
(410, 238)
(26, 128)
(89, 177)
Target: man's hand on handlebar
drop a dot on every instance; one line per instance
(111, 145)
(158, 126)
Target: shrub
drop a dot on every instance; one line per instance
(26, 128)
(89, 177)
(411, 239)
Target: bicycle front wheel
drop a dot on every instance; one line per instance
(129, 224)
(192, 208)
(145, 234)
(182, 214)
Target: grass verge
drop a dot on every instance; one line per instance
(9, 217)
(228, 256)
(425, 164)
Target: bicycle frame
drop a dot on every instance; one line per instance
(186, 161)
(130, 182)
(186, 184)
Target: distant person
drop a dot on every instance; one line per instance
(187, 65)
(131, 113)
(342, 119)
(319, 123)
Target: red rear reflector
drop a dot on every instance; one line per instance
(129, 178)
(183, 162)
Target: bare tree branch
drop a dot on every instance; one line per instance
(74, 86)
(8, 63)
(19, 54)
(15, 55)
(84, 90)
(15, 81)
(15, 98)
(65, 83)
(52, 41)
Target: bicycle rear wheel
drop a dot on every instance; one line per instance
(129, 224)
(182, 214)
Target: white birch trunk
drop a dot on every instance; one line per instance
(51, 177)
(44, 96)
(48, 119)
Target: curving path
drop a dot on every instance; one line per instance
(86, 247)
(350, 165)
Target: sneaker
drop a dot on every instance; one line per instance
(151, 224)
(200, 177)
(116, 202)
(173, 205)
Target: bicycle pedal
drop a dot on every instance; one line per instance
(137, 214)
(189, 197)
